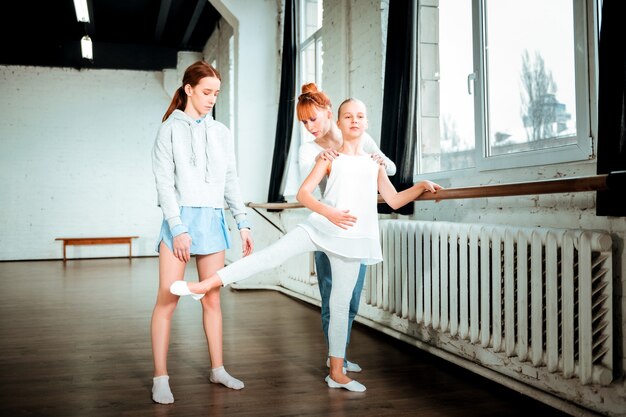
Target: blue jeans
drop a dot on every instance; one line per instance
(325, 283)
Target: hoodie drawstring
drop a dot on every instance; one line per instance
(193, 159)
(193, 151)
(207, 171)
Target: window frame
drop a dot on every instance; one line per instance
(291, 185)
(315, 38)
(583, 150)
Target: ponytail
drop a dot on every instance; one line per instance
(179, 101)
(193, 74)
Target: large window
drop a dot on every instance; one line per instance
(310, 50)
(512, 86)
(310, 71)
(310, 41)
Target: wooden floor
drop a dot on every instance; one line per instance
(74, 341)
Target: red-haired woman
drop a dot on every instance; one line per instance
(194, 168)
(315, 111)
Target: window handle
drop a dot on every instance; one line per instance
(470, 80)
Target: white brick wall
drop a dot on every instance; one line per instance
(256, 86)
(335, 59)
(353, 55)
(366, 59)
(75, 159)
(75, 145)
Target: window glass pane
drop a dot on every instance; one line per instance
(310, 75)
(531, 101)
(319, 62)
(307, 63)
(455, 122)
(310, 63)
(311, 17)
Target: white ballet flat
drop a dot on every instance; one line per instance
(180, 288)
(353, 385)
(352, 367)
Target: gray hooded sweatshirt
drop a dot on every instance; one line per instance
(194, 165)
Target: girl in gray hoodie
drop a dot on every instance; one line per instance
(195, 172)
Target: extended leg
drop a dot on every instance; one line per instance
(293, 243)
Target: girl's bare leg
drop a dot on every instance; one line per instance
(212, 320)
(170, 270)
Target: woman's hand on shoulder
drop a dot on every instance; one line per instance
(327, 154)
(379, 159)
(247, 244)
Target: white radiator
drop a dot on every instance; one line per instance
(541, 295)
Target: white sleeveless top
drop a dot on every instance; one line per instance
(352, 185)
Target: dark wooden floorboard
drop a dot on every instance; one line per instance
(75, 341)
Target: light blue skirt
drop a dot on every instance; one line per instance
(207, 229)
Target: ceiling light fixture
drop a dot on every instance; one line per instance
(82, 12)
(86, 47)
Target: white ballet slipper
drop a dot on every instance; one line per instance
(352, 367)
(353, 385)
(180, 288)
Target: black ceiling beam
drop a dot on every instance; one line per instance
(193, 22)
(164, 12)
(91, 26)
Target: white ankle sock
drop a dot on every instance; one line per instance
(220, 376)
(161, 392)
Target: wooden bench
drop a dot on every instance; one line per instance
(114, 240)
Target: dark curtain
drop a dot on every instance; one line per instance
(398, 136)
(611, 104)
(284, 124)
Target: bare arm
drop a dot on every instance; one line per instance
(397, 199)
(340, 218)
